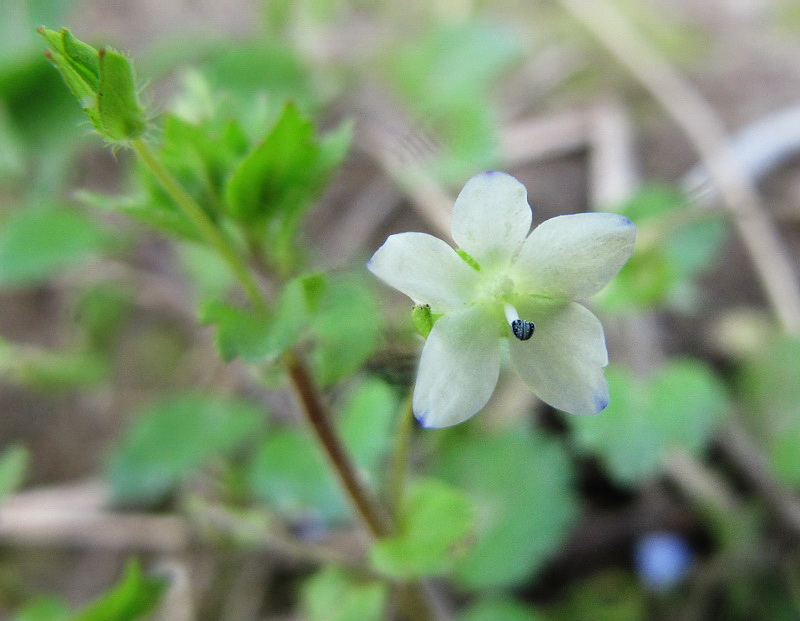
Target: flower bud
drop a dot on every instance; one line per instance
(102, 81)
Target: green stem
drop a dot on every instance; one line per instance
(200, 219)
(399, 465)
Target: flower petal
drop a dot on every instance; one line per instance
(574, 256)
(563, 361)
(426, 269)
(459, 368)
(491, 217)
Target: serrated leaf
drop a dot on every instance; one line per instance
(275, 183)
(170, 440)
(521, 487)
(334, 595)
(133, 597)
(678, 408)
(435, 519)
(36, 243)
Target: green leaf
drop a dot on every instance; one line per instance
(14, 462)
(445, 77)
(240, 332)
(367, 422)
(678, 408)
(201, 155)
(170, 440)
(436, 518)
(261, 337)
(289, 473)
(496, 609)
(520, 484)
(346, 327)
(117, 101)
(276, 182)
(132, 598)
(451, 63)
(37, 243)
(334, 595)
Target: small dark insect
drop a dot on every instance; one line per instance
(522, 329)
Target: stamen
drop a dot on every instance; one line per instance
(521, 328)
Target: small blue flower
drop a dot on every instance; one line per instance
(506, 282)
(662, 560)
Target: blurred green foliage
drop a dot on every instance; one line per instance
(169, 441)
(520, 484)
(678, 408)
(334, 595)
(488, 506)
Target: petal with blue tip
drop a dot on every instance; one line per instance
(573, 257)
(564, 359)
(458, 369)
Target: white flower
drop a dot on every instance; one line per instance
(504, 282)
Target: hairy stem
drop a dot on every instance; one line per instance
(200, 219)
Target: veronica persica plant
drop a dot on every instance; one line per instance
(506, 285)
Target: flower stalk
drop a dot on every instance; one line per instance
(365, 504)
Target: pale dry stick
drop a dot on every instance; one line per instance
(401, 150)
(692, 113)
(76, 514)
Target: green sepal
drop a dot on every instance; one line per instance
(103, 82)
(82, 57)
(120, 113)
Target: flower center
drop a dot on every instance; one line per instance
(496, 287)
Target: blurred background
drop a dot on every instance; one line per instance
(678, 502)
